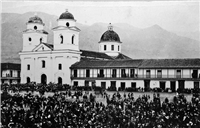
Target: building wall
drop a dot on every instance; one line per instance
(62, 22)
(51, 66)
(108, 50)
(31, 26)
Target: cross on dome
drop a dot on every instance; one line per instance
(66, 10)
(110, 27)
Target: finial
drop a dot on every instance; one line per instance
(110, 27)
(66, 10)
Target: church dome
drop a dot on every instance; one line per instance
(66, 15)
(35, 19)
(110, 35)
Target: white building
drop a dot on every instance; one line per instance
(63, 61)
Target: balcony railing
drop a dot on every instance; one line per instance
(135, 76)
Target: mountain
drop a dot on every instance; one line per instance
(151, 42)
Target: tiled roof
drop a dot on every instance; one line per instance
(94, 55)
(121, 56)
(49, 45)
(106, 63)
(170, 63)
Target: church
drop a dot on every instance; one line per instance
(64, 63)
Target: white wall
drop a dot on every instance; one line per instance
(35, 40)
(38, 25)
(62, 22)
(108, 50)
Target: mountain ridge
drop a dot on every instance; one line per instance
(152, 42)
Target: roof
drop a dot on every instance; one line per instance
(66, 15)
(110, 35)
(35, 19)
(49, 45)
(170, 63)
(121, 56)
(12, 66)
(106, 63)
(94, 55)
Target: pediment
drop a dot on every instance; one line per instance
(41, 47)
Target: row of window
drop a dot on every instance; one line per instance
(30, 39)
(130, 73)
(62, 38)
(112, 48)
(44, 65)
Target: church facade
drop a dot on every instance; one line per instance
(63, 62)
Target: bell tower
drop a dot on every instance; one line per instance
(34, 33)
(66, 34)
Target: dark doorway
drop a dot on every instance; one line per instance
(101, 73)
(173, 86)
(103, 85)
(123, 86)
(59, 80)
(133, 85)
(162, 85)
(181, 84)
(195, 74)
(28, 80)
(113, 86)
(196, 84)
(87, 83)
(87, 73)
(43, 79)
(76, 83)
(147, 85)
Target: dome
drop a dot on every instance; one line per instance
(35, 19)
(110, 35)
(66, 15)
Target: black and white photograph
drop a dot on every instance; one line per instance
(100, 64)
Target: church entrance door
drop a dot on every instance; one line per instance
(43, 79)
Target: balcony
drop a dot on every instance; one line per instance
(140, 77)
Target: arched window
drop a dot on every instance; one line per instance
(67, 24)
(59, 80)
(59, 66)
(104, 47)
(41, 40)
(73, 39)
(43, 64)
(112, 47)
(28, 67)
(118, 47)
(28, 80)
(61, 39)
(29, 39)
(35, 27)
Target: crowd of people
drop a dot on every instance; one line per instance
(51, 87)
(82, 110)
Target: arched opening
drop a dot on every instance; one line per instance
(29, 39)
(41, 40)
(59, 80)
(73, 39)
(28, 80)
(43, 79)
(59, 66)
(61, 39)
(43, 64)
(35, 27)
(67, 24)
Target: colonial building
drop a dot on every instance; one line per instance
(63, 61)
(10, 73)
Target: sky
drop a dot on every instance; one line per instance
(181, 16)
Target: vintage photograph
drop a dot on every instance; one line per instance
(100, 64)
